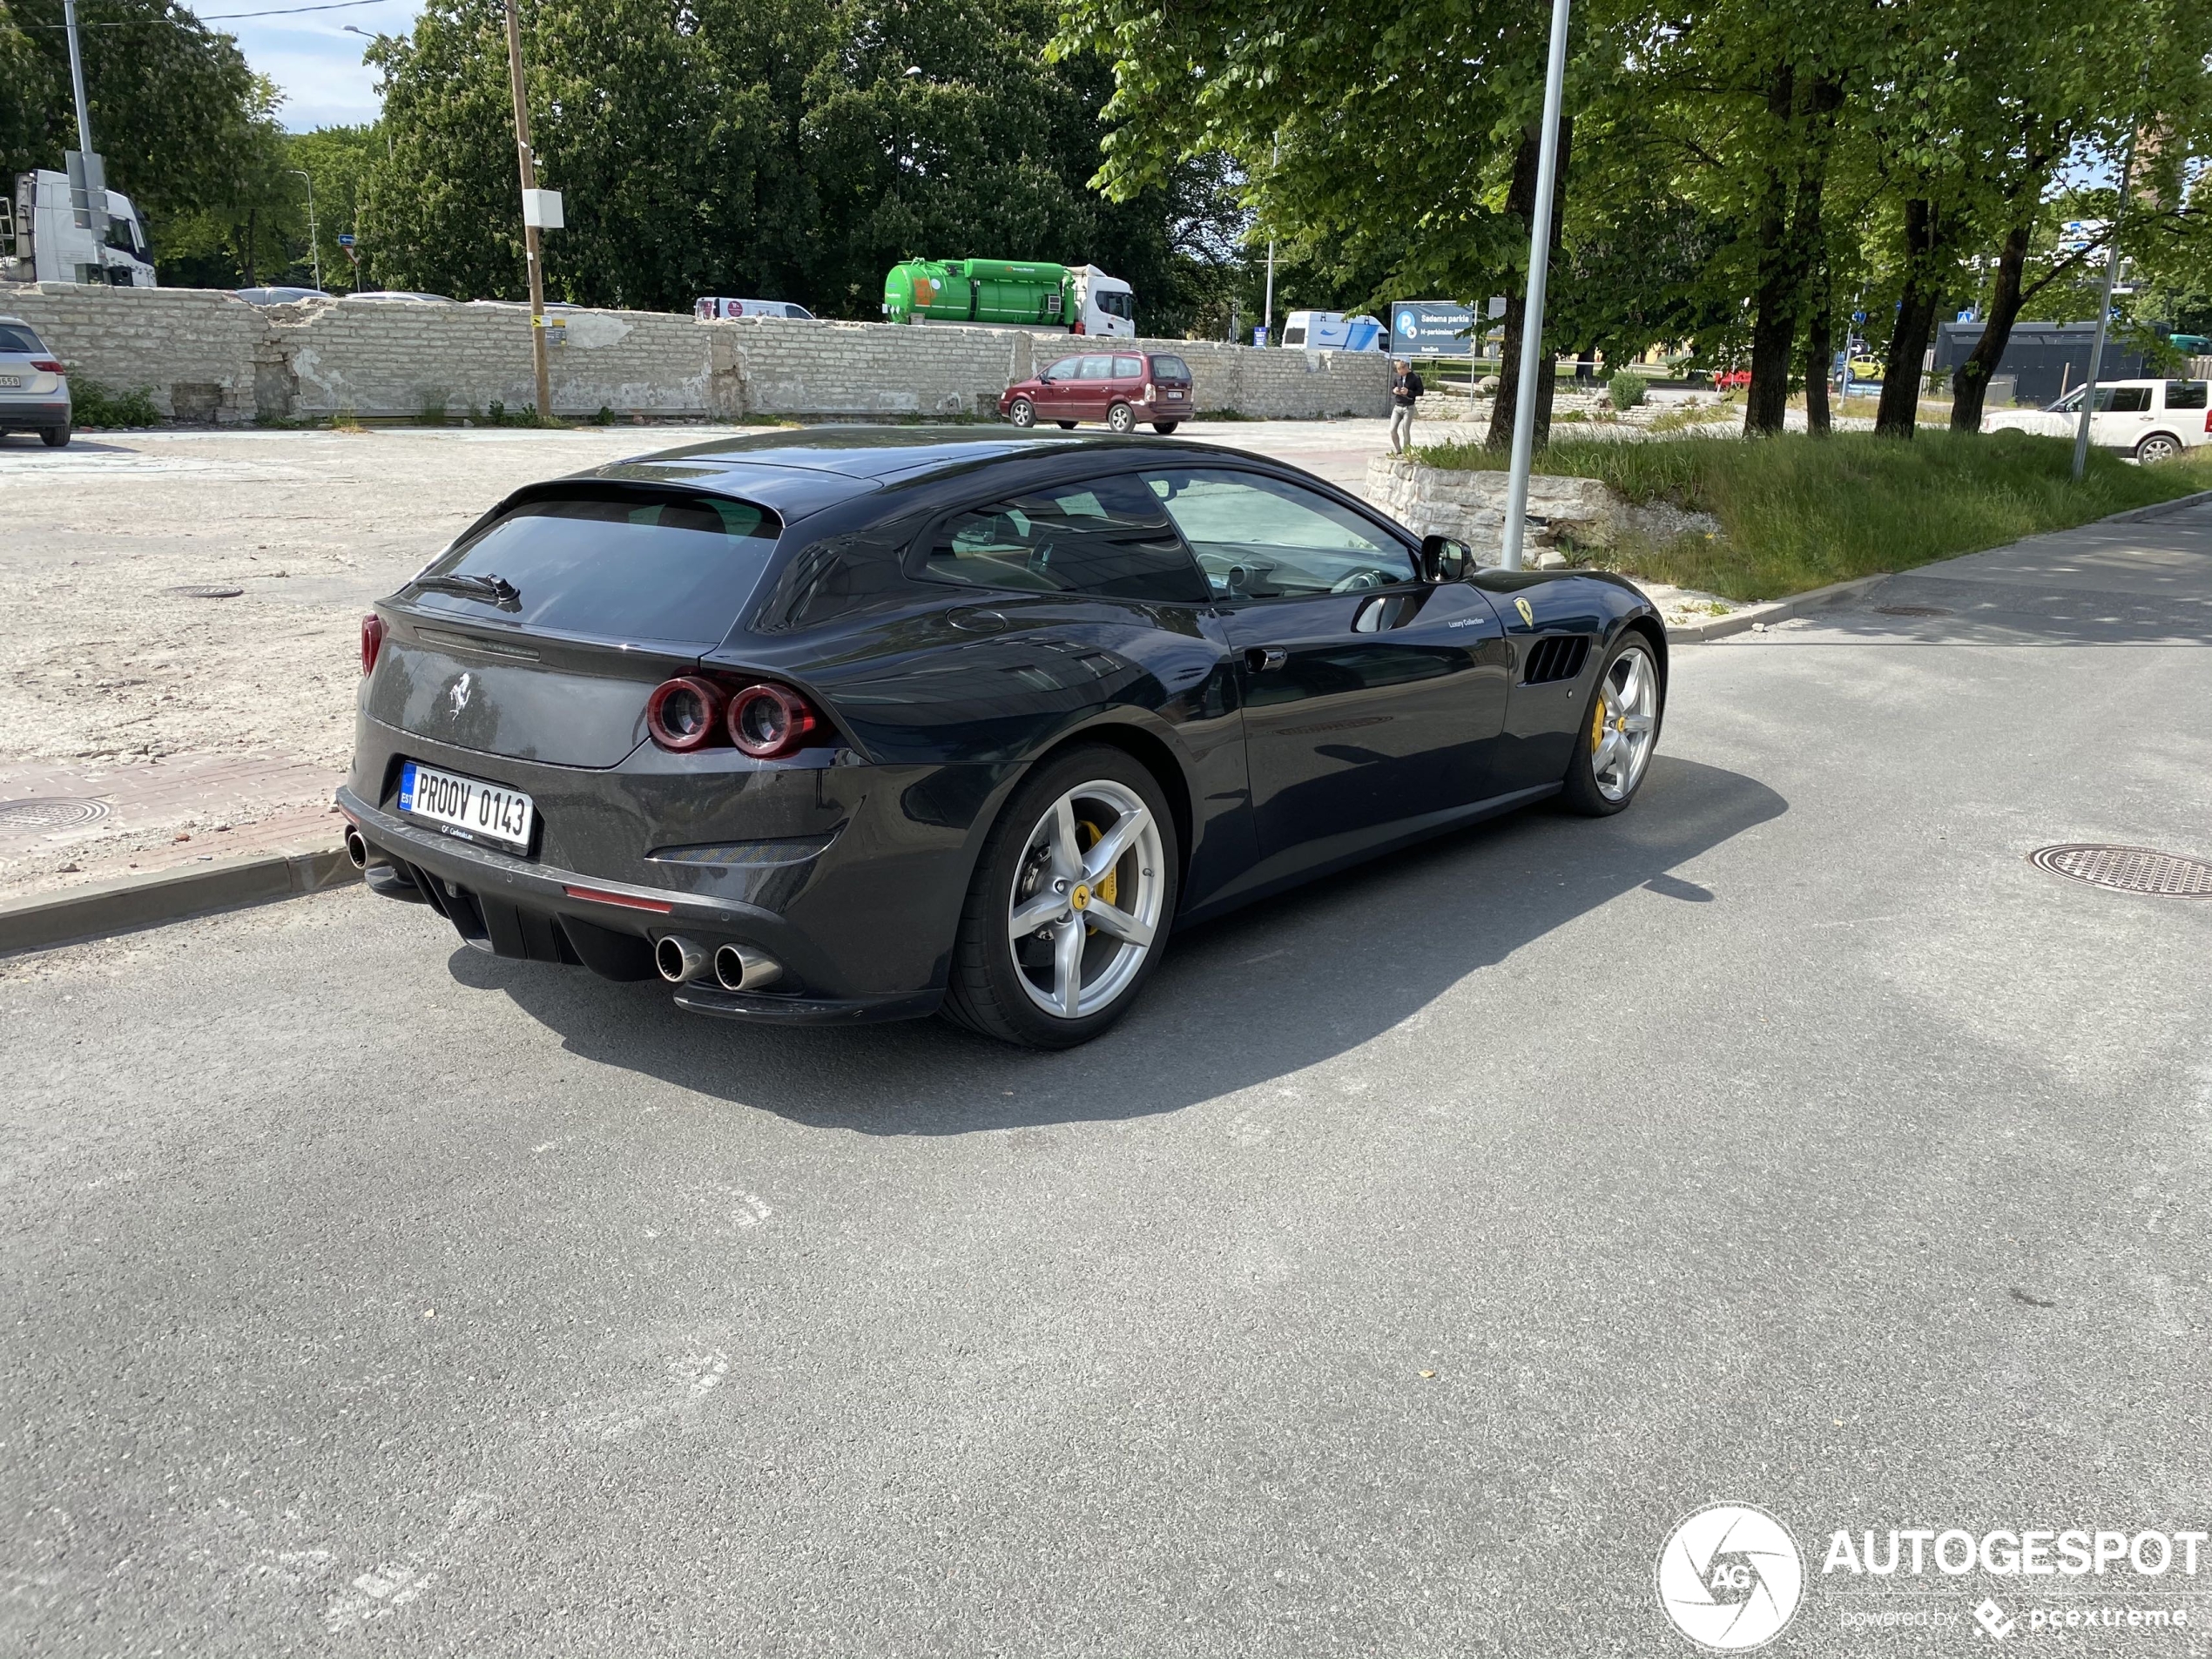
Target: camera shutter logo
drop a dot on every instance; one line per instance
(1730, 1577)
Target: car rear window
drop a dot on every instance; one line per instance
(13, 338)
(616, 567)
(1165, 368)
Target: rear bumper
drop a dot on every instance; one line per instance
(34, 411)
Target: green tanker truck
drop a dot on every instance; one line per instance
(1010, 293)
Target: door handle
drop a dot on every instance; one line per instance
(1260, 659)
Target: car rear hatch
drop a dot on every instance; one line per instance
(541, 632)
(27, 369)
(1172, 379)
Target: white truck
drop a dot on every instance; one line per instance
(44, 237)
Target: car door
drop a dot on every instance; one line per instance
(2123, 414)
(1093, 386)
(1128, 384)
(1371, 697)
(1056, 398)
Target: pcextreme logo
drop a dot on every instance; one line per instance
(1730, 1577)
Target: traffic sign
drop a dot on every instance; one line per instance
(345, 238)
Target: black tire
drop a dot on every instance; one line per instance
(1065, 426)
(1165, 426)
(1121, 418)
(58, 437)
(2158, 446)
(986, 994)
(1583, 790)
(1022, 413)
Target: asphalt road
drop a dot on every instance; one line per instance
(1426, 1245)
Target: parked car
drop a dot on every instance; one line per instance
(401, 295)
(34, 387)
(1731, 380)
(1120, 388)
(861, 722)
(279, 296)
(706, 310)
(2149, 420)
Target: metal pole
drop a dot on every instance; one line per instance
(1267, 307)
(314, 243)
(76, 78)
(1532, 321)
(2104, 316)
(528, 166)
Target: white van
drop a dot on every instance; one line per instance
(708, 310)
(2149, 420)
(1331, 331)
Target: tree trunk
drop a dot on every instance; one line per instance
(1895, 416)
(1820, 351)
(1969, 385)
(1520, 201)
(253, 236)
(1774, 322)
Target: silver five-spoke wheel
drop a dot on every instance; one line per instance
(1086, 903)
(1623, 723)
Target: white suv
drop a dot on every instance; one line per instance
(2149, 420)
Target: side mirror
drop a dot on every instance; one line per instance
(1444, 560)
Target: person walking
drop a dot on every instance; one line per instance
(1406, 389)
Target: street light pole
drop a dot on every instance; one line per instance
(527, 165)
(1267, 307)
(1532, 321)
(2104, 316)
(314, 243)
(76, 78)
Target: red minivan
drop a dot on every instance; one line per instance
(1120, 388)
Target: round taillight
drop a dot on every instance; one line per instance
(372, 640)
(682, 713)
(766, 721)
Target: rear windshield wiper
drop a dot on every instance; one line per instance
(492, 590)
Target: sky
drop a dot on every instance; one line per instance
(304, 48)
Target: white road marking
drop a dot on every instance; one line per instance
(691, 1377)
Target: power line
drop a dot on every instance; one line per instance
(221, 16)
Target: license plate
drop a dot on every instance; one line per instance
(1174, 397)
(11, 380)
(468, 807)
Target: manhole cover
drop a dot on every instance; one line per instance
(36, 814)
(206, 592)
(2128, 869)
(1910, 610)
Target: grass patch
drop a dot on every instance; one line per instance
(1798, 512)
(101, 408)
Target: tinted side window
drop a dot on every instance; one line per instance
(1259, 537)
(2185, 394)
(2124, 399)
(1128, 368)
(1107, 537)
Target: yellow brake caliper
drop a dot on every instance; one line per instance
(1597, 718)
(1088, 835)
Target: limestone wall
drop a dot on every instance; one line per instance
(206, 356)
(1470, 506)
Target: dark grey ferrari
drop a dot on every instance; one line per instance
(865, 723)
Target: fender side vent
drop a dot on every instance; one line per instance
(1554, 657)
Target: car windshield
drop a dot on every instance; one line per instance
(13, 339)
(615, 567)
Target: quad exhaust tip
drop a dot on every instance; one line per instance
(679, 959)
(736, 968)
(356, 848)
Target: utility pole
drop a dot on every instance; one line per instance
(1532, 325)
(527, 164)
(313, 242)
(76, 78)
(2104, 317)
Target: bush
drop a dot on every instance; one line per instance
(94, 404)
(1799, 512)
(1626, 390)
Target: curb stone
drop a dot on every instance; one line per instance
(127, 903)
(1737, 621)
